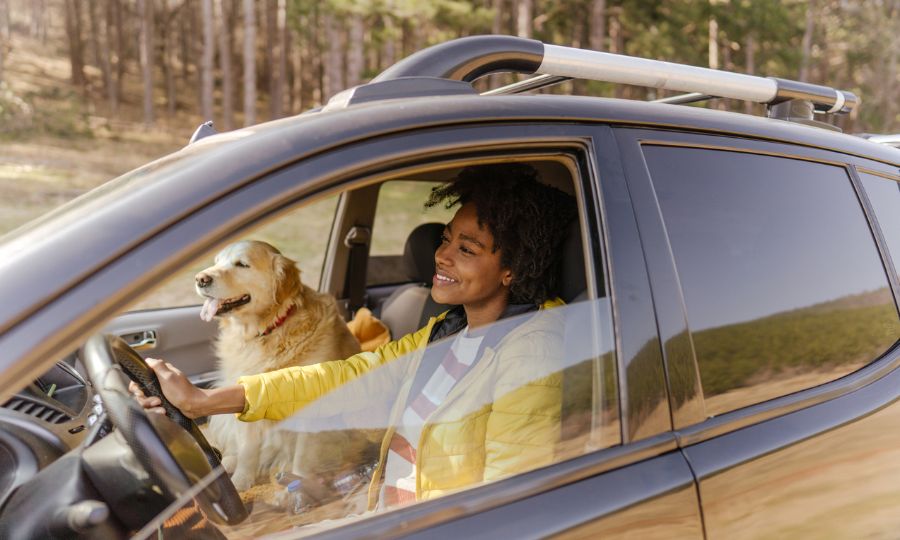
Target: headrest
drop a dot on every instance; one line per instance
(572, 281)
(418, 253)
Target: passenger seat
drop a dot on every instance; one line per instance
(410, 306)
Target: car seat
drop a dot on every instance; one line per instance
(410, 306)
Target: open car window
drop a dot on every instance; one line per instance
(541, 389)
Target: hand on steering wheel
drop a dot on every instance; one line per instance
(110, 363)
(175, 387)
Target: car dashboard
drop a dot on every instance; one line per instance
(43, 421)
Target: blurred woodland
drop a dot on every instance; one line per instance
(240, 62)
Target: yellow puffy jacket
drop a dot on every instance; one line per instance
(502, 418)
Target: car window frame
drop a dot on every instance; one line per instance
(690, 422)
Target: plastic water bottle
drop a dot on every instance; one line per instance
(284, 478)
(298, 503)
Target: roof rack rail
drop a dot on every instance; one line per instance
(468, 58)
(890, 139)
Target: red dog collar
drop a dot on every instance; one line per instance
(278, 322)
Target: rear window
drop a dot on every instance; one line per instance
(783, 285)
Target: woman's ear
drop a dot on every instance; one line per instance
(507, 278)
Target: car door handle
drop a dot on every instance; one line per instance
(142, 340)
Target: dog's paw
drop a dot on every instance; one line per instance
(242, 481)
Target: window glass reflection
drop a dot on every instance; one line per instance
(782, 282)
(541, 390)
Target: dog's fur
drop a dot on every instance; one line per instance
(312, 331)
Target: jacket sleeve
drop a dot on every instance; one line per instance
(523, 426)
(278, 394)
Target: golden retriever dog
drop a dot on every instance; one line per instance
(269, 320)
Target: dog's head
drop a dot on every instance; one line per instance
(250, 280)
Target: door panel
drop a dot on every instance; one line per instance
(831, 470)
(654, 498)
(182, 338)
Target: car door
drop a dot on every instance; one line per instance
(770, 258)
(635, 481)
(618, 470)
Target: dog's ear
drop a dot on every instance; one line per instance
(287, 279)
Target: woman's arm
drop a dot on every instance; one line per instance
(194, 402)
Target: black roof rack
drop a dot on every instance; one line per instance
(469, 58)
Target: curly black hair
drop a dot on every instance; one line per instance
(528, 220)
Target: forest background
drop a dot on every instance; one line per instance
(92, 88)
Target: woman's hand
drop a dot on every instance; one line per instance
(193, 402)
(175, 386)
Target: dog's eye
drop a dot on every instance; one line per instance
(241, 264)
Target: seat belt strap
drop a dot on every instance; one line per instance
(357, 240)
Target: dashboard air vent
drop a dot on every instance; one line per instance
(37, 409)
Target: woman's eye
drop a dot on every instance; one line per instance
(444, 239)
(466, 250)
(240, 264)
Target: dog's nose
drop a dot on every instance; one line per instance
(203, 280)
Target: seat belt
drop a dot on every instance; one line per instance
(357, 240)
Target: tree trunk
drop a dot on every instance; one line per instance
(206, 67)
(524, 10)
(334, 73)
(598, 25)
(806, 44)
(616, 44)
(225, 65)
(355, 51)
(145, 9)
(291, 59)
(713, 43)
(169, 59)
(98, 44)
(389, 49)
(121, 47)
(750, 63)
(73, 30)
(280, 60)
(249, 63)
(185, 43)
(497, 23)
(273, 56)
(4, 20)
(4, 33)
(310, 75)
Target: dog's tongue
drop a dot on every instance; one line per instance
(210, 307)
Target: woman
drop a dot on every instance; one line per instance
(497, 258)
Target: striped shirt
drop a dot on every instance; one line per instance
(400, 468)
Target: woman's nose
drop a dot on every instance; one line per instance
(440, 255)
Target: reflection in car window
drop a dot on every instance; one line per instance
(884, 195)
(536, 395)
(783, 285)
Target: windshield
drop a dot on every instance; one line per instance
(416, 420)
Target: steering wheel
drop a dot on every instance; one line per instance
(110, 363)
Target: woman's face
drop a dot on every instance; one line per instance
(468, 270)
